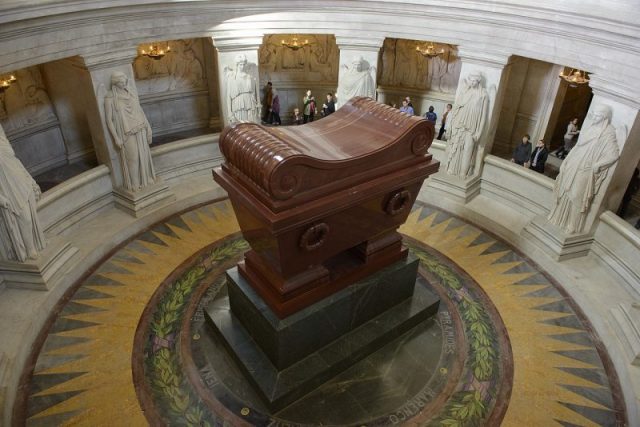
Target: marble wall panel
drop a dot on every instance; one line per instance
(176, 111)
(40, 148)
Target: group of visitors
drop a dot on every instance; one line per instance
(535, 158)
(407, 107)
(271, 107)
(311, 110)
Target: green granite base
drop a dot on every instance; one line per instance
(361, 329)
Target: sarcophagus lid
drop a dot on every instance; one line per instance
(363, 140)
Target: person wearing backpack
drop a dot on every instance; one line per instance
(431, 115)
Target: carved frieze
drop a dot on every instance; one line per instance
(317, 62)
(26, 103)
(179, 70)
(402, 66)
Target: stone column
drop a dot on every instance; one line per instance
(562, 238)
(100, 67)
(230, 50)
(211, 65)
(358, 67)
(464, 185)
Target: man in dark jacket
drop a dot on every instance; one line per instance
(522, 152)
(329, 106)
(538, 157)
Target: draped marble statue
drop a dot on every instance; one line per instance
(583, 172)
(131, 133)
(466, 122)
(21, 235)
(242, 92)
(357, 80)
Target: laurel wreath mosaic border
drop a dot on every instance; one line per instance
(178, 402)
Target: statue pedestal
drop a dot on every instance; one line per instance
(555, 242)
(147, 199)
(461, 190)
(285, 359)
(41, 273)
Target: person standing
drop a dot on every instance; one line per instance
(538, 158)
(406, 108)
(444, 121)
(309, 107)
(570, 136)
(329, 106)
(431, 115)
(522, 152)
(275, 109)
(266, 102)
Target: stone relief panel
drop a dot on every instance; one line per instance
(317, 62)
(403, 66)
(26, 103)
(181, 69)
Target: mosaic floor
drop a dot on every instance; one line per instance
(130, 346)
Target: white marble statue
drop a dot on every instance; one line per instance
(21, 236)
(242, 92)
(357, 80)
(466, 124)
(583, 172)
(131, 133)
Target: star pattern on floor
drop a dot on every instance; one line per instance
(559, 376)
(83, 372)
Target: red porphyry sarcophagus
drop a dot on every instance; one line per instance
(320, 203)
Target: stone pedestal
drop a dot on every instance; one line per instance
(147, 199)
(287, 358)
(39, 274)
(555, 242)
(461, 190)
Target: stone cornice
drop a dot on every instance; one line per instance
(476, 55)
(102, 60)
(230, 42)
(371, 43)
(620, 91)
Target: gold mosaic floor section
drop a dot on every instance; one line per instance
(83, 373)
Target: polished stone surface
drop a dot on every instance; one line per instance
(312, 362)
(286, 341)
